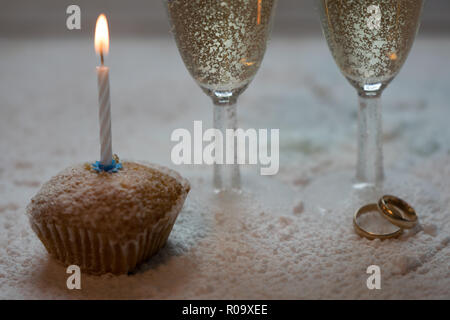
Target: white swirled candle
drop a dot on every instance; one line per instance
(102, 48)
(104, 115)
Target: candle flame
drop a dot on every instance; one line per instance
(258, 17)
(247, 63)
(101, 36)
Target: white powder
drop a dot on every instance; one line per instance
(48, 120)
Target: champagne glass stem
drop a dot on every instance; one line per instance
(370, 155)
(226, 176)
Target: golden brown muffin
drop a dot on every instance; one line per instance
(107, 222)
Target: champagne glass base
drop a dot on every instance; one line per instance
(340, 192)
(257, 194)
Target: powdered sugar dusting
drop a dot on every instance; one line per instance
(121, 203)
(216, 249)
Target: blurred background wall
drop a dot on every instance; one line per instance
(47, 18)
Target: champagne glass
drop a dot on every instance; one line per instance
(222, 44)
(370, 41)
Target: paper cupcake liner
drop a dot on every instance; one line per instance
(99, 253)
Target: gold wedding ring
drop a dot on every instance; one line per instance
(397, 211)
(370, 235)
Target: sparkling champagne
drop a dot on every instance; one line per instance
(222, 42)
(370, 39)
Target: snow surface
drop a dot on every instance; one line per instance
(221, 247)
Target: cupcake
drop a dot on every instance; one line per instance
(107, 222)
